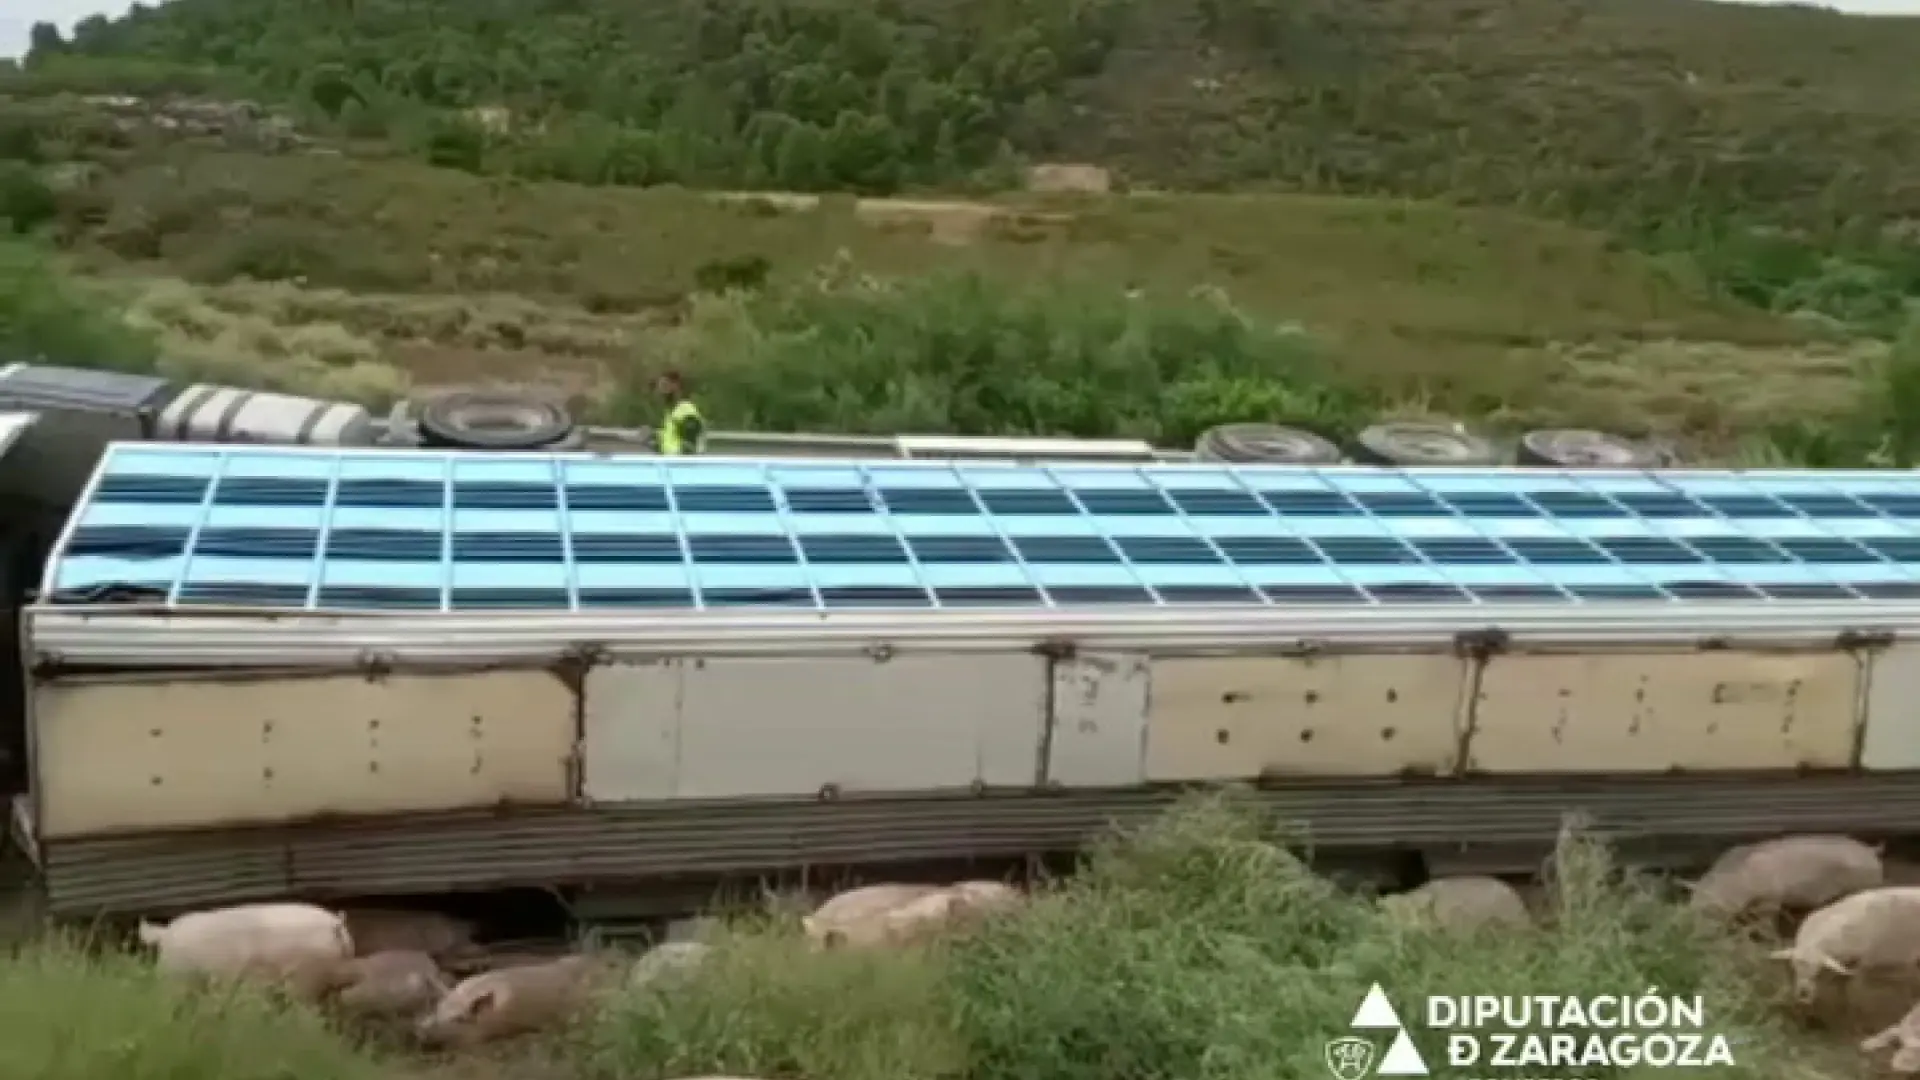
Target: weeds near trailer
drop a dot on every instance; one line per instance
(1881, 430)
(1193, 949)
(68, 1013)
(766, 1005)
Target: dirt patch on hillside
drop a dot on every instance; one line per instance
(432, 365)
(955, 222)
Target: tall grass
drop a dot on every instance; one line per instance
(68, 1014)
(1882, 429)
(1192, 950)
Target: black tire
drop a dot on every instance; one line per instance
(1574, 448)
(1265, 443)
(490, 420)
(1417, 444)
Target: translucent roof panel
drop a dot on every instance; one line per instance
(462, 531)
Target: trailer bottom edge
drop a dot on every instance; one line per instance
(623, 843)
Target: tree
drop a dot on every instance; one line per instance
(44, 40)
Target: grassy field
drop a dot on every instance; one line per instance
(1190, 950)
(362, 278)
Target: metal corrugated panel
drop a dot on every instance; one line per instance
(474, 851)
(277, 528)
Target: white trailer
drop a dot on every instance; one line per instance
(268, 671)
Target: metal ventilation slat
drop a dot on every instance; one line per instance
(127, 541)
(472, 531)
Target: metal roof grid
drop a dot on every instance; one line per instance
(311, 528)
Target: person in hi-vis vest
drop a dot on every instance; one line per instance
(683, 430)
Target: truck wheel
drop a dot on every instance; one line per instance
(1265, 443)
(1413, 443)
(1573, 448)
(490, 420)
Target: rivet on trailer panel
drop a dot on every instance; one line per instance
(375, 664)
(1863, 639)
(1480, 644)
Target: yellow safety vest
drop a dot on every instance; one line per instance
(671, 441)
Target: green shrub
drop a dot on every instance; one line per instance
(960, 353)
(44, 317)
(26, 200)
(68, 1015)
(454, 143)
(1892, 399)
(1881, 431)
(1194, 949)
(19, 137)
(135, 76)
(848, 1014)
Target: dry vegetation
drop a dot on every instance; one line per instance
(302, 266)
(371, 347)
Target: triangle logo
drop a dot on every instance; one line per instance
(1375, 1011)
(1403, 1059)
(1351, 1057)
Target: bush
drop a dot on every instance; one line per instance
(1882, 430)
(961, 353)
(68, 1015)
(26, 201)
(1194, 949)
(44, 317)
(454, 143)
(849, 1015)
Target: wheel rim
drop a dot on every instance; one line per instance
(1572, 446)
(1279, 443)
(499, 416)
(1431, 441)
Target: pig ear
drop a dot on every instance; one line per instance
(485, 1001)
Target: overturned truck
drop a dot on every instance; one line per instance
(262, 672)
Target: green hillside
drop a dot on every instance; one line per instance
(1675, 217)
(1622, 112)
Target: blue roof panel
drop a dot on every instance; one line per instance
(310, 528)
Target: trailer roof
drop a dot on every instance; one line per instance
(14, 424)
(353, 530)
